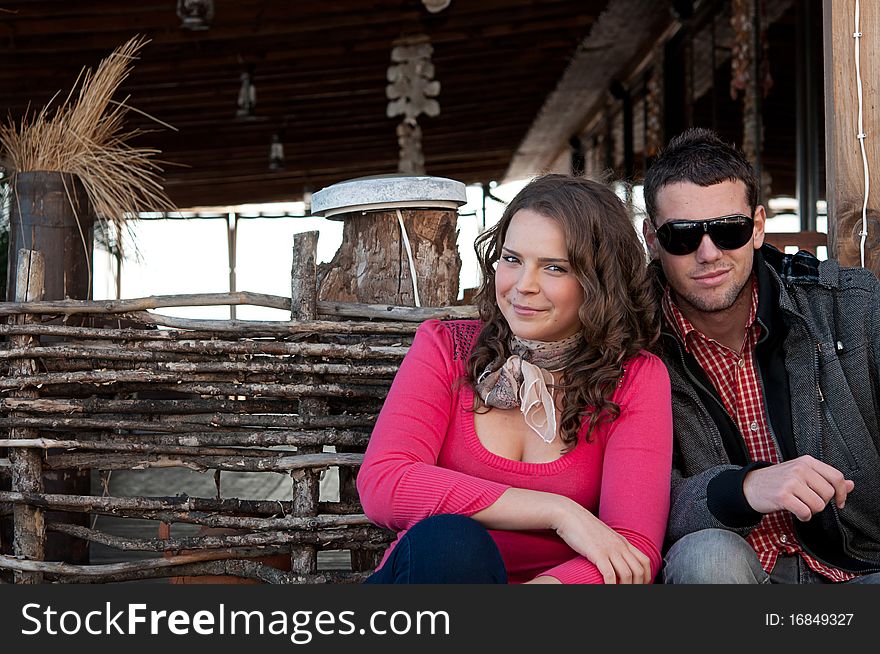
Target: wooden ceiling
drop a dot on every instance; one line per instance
(319, 70)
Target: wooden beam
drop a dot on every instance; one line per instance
(616, 39)
(845, 177)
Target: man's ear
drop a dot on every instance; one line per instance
(650, 238)
(760, 222)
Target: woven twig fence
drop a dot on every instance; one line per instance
(126, 388)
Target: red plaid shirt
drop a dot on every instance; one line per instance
(735, 378)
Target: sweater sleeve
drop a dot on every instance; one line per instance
(400, 482)
(636, 469)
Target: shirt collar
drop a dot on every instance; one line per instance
(685, 328)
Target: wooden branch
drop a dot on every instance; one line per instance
(369, 537)
(409, 314)
(322, 350)
(342, 309)
(228, 567)
(216, 421)
(200, 463)
(191, 443)
(70, 307)
(246, 327)
(189, 383)
(51, 567)
(250, 331)
(140, 358)
(124, 505)
(214, 347)
(98, 405)
(339, 508)
(147, 448)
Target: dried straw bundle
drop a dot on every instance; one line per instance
(85, 137)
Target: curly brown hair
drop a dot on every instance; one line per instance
(619, 313)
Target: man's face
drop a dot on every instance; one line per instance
(709, 279)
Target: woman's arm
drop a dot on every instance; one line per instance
(609, 557)
(634, 500)
(400, 482)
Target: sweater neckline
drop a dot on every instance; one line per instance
(475, 445)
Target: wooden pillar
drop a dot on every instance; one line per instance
(29, 530)
(303, 294)
(50, 212)
(844, 171)
(306, 482)
(807, 112)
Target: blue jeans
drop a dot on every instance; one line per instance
(717, 556)
(443, 549)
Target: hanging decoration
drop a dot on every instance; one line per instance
(247, 95)
(411, 92)
(195, 15)
(436, 6)
(276, 153)
(412, 159)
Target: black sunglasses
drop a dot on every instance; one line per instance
(682, 237)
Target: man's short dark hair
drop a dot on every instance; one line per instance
(699, 156)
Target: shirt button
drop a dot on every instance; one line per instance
(741, 363)
(783, 539)
(754, 426)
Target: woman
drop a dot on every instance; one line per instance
(534, 445)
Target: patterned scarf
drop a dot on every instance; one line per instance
(524, 378)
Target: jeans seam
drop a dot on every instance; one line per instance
(409, 558)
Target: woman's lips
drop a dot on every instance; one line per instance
(525, 311)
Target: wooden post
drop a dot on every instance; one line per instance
(845, 177)
(306, 482)
(386, 219)
(303, 285)
(50, 212)
(29, 532)
(373, 242)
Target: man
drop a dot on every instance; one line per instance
(775, 367)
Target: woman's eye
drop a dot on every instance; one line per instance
(556, 269)
(509, 258)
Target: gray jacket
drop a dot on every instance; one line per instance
(819, 366)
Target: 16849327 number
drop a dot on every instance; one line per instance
(820, 619)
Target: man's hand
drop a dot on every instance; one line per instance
(803, 486)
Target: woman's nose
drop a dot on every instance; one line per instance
(527, 281)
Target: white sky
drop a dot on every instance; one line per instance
(190, 256)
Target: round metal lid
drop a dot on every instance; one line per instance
(388, 192)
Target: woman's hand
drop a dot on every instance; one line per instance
(618, 561)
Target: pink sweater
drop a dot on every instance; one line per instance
(424, 459)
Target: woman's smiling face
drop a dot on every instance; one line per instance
(535, 289)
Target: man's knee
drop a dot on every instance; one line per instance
(712, 556)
